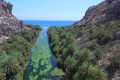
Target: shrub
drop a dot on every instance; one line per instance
(102, 36)
(70, 62)
(98, 54)
(56, 49)
(88, 72)
(71, 49)
(85, 55)
(115, 62)
(2, 74)
(9, 65)
(14, 52)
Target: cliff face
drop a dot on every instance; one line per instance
(94, 14)
(9, 24)
(108, 10)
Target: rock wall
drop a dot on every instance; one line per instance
(113, 10)
(107, 10)
(94, 14)
(9, 24)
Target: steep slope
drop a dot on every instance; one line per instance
(99, 32)
(94, 14)
(9, 24)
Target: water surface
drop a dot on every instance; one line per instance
(49, 23)
(42, 62)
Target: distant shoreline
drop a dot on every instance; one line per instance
(50, 20)
(44, 23)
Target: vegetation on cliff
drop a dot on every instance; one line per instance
(77, 63)
(93, 43)
(15, 51)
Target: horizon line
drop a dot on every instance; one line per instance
(48, 20)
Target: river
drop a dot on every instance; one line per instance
(42, 64)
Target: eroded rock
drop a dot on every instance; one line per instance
(109, 1)
(113, 11)
(9, 24)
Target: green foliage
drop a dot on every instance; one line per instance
(10, 65)
(77, 63)
(57, 72)
(36, 27)
(71, 49)
(98, 55)
(102, 37)
(84, 55)
(88, 72)
(14, 53)
(70, 62)
(115, 62)
(56, 49)
(2, 74)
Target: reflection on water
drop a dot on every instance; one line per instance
(42, 61)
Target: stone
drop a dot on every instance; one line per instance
(9, 6)
(109, 1)
(9, 24)
(90, 9)
(113, 11)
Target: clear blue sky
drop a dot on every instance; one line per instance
(51, 9)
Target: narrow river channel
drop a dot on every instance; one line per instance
(42, 63)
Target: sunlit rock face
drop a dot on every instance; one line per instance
(9, 24)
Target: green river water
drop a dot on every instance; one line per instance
(42, 65)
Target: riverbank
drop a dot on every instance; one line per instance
(15, 51)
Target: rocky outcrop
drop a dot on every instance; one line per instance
(9, 24)
(94, 14)
(109, 1)
(113, 11)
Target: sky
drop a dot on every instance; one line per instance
(51, 9)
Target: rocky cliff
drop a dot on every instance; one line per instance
(107, 10)
(9, 24)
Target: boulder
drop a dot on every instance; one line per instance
(113, 11)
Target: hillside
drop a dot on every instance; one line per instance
(99, 33)
(9, 24)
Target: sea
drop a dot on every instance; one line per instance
(49, 23)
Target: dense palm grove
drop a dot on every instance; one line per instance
(14, 53)
(78, 64)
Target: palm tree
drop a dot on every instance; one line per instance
(70, 67)
(99, 74)
(83, 56)
(72, 48)
(2, 74)
(16, 54)
(70, 62)
(86, 71)
(9, 65)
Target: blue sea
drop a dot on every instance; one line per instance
(47, 23)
